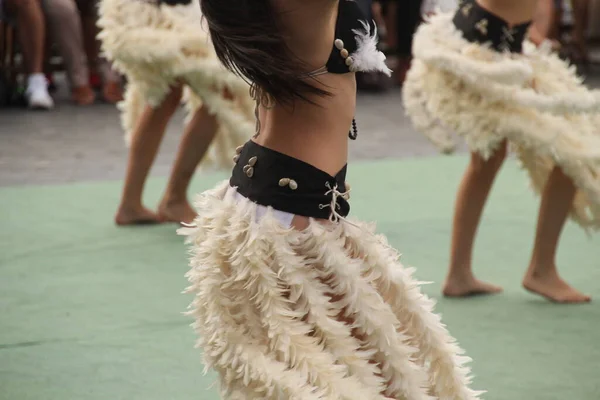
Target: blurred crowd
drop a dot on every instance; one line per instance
(33, 33)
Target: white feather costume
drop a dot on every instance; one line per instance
(325, 313)
(269, 307)
(534, 100)
(158, 46)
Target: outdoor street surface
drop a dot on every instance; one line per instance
(71, 144)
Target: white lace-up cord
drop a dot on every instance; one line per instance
(334, 216)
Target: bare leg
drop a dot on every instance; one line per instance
(111, 81)
(90, 43)
(65, 23)
(472, 195)
(542, 276)
(198, 135)
(29, 14)
(146, 140)
(32, 39)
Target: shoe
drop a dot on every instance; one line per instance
(37, 94)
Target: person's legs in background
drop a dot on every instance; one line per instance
(542, 276)
(196, 139)
(65, 26)
(408, 17)
(145, 142)
(471, 198)
(31, 30)
(112, 91)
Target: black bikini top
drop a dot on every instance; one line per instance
(355, 43)
(354, 47)
(479, 25)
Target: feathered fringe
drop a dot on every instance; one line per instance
(324, 313)
(367, 57)
(157, 47)
(534, 100)
(506, 79)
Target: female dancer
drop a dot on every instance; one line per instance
(161, 48)
(292, 300)
(532, 101)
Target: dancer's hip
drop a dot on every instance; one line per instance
(273, 179)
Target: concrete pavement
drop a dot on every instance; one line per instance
(73, 144)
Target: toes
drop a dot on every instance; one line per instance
(556, 294)
(577, 299)
(460, 288)
(140, 217)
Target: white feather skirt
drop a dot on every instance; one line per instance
(534, 100)
(324, 313)
(156, 47)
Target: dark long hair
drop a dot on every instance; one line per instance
(248, 41)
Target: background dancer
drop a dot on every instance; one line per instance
(145, 142)
(161, 48)
(532, 101)
(293, 301)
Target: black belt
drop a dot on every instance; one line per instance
(270, 178)
(478, 25)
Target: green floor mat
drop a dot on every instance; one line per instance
(89, 311)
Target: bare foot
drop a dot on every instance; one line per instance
(136, 216)
(83, 95)
(112, 92)
(176, 212)
(456, 286)
(553, 288)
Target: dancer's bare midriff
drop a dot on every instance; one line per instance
(512, 11)
(314, 133)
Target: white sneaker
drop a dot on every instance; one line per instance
(37, 94)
